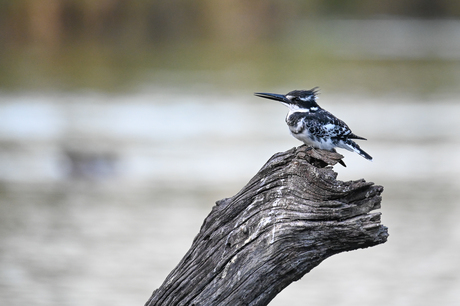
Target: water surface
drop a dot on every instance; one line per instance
(102, 194)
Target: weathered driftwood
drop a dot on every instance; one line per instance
(291, 216)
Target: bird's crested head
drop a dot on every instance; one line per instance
(296, 99)
(303, 98)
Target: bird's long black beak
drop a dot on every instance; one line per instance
(272, 96)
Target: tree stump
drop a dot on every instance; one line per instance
(291, 216)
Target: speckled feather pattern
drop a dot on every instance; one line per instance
(321, 129)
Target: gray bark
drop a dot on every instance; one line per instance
(290, 217)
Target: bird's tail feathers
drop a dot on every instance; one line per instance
(354, 136)
(350, 145)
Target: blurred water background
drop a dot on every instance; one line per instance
(122, 122)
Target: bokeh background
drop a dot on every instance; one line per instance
(122, 122)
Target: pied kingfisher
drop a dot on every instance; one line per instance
(314, 126)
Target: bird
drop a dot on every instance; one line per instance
(313, 125)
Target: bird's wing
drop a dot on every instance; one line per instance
(324, 124)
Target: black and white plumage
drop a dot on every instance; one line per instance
(314, 126)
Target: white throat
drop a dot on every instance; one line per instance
(296, 109)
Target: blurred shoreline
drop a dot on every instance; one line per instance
(357, 56)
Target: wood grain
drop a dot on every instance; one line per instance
(291, 216)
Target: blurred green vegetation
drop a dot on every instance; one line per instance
(119, 44)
